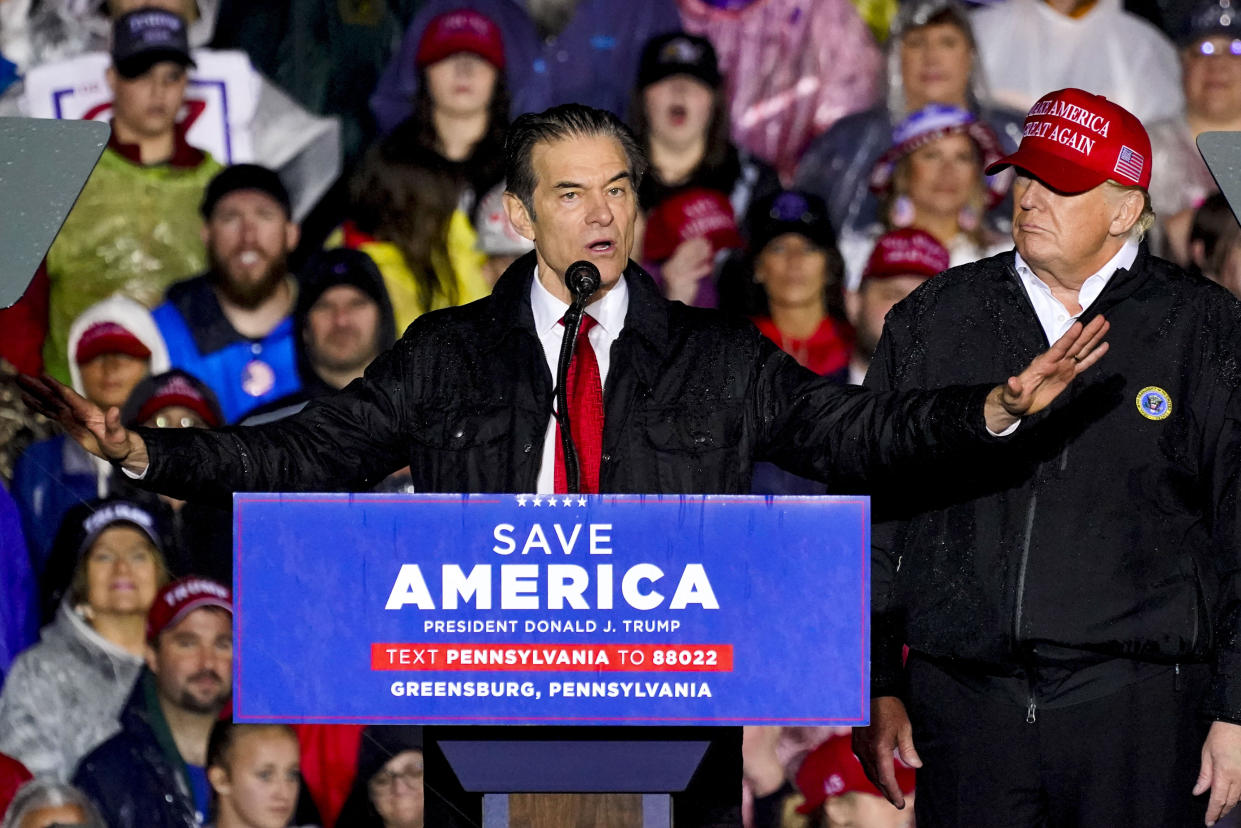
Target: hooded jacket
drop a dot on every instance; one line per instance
(1108, 526)
(326, 270)
(693, 398)
(54, 474)
(63, 695)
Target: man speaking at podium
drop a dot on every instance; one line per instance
(664, 398)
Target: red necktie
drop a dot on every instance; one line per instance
(585, 393)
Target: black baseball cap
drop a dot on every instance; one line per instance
(1209, 18)
(678, 53)
(790, 211)
(245, 177)
(145, 37)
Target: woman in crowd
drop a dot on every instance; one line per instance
(254, 775)
(461, 107)
(681, 118)
(64, 693)
(416, 193)
(931, 59)
(1210, 51)
(797, 267)
(932, 179)
(46, 803)
(388, 790)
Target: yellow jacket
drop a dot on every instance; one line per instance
(463, 269)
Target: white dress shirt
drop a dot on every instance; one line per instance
(1054, 316)
(609, 315)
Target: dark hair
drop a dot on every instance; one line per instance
(1215, 226)
(557, 124)
(950, 15)
(718, 146)
(398, 196)
(226, 732)
(423, 116)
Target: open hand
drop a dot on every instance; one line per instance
(1049, 374)
(95, 430)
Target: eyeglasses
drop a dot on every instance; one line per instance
(386, 779)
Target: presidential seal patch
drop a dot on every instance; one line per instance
(1154, 403)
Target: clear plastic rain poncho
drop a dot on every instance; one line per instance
(134, 230)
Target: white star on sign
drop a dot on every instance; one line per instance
(538, 501)
(581, 501)
(551, 501)
(521, 501)
(568, 501)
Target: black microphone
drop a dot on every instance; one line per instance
(582, 279)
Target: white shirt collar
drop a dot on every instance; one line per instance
(608, 312)
(1093, 286)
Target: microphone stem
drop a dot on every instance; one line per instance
(572, 321)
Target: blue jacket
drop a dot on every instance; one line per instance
(49, 478)
(19, 607)
(244, 373)
(138, 778)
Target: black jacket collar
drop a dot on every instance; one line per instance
(647, 317)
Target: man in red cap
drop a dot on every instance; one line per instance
(901, 261)
(152, 774)
(1072, 616)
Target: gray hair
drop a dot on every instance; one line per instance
(38, 794)
(1146, 219)
(557, 124)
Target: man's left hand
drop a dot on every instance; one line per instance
(1050, 373)
(1221, 770)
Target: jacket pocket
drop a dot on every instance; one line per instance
(695, 449)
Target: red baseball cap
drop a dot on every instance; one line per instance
(181, 597)
(462, 30)
(1073, 141)
(906, 252)
(832, 770)
(176, 388)
(695, 213)
(108, 338)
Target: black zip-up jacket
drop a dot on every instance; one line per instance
(693, 398)
(138, 778)
(1098, 531)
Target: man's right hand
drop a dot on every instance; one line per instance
(98, 432)
(889, 731)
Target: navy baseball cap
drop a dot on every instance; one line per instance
(145, 37)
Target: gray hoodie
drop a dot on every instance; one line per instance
(63, 695)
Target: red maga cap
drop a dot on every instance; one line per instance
(1073, 141)
(832, 770)
(181, 597)
(695, 213)
(175, 389)
(463, 30)
(906, 252)
(108, 338)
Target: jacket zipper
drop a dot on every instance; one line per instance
(1032, 707)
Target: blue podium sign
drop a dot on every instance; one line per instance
(528, 609)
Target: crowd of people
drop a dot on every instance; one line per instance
(812, 163)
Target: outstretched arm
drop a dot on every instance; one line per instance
(99, 432)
